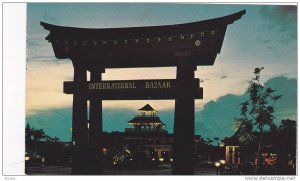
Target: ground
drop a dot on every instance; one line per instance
(59, 170)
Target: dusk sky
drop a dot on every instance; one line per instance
(265, 37)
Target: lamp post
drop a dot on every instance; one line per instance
(26, 163)
(222, 166)
(217, 164)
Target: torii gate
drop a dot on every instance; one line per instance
(185, 46)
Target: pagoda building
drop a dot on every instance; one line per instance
(148, 130)
(147, 121)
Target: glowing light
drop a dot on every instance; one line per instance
(222, 145)
(88, 125)
(153, 159)
(131, 159)
(222, 162)
(73, 143)
(114, 163)
(171, 160)
(217, 164)
(161, 159)
(27, 158)
(197, 43)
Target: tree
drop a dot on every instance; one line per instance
(38, 135)
(209, 141)
(286, 143)
(288, 126)
(256, 113)
(28, 133)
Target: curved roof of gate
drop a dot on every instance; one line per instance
(149, 46)
(137, 32)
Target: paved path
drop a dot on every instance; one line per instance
(59, 170)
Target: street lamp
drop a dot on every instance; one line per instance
(217, 164)
(222, 166)
(222, 162)
(26, 163)
(43, 162)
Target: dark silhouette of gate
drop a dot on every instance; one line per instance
(185, 46)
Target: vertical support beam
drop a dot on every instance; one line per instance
(95, 129)
(79, 128)
(183, 147)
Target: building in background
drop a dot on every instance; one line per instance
(150, 133)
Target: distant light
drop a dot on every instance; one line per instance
(217, 164)
(114, 163)
(222, 145)
(171, 160)
(88, 125)
(27, 158)
(153, 159)
(130, 159)
(161, 159)
(222, 162)
(73, 143)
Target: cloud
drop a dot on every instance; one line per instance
(57, 122)
(263, 41)
(215, 120)
(283, 19)
(271, 47)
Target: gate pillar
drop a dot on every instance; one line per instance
(79, 125)
(95, 128)
(183, 147)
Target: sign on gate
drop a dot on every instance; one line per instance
(131, 89)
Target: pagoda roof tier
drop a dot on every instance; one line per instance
(147, 107)
(146, 120)
(148, 46)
